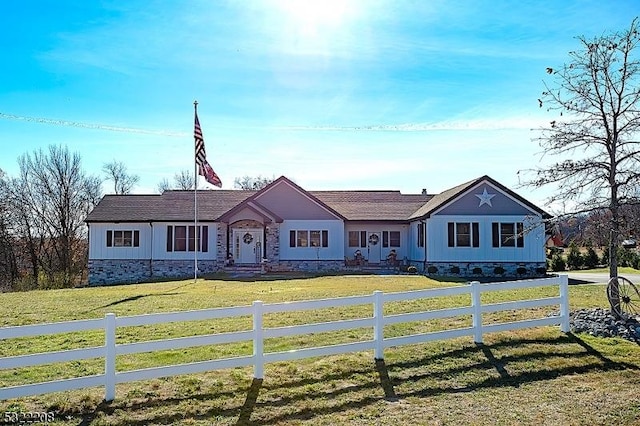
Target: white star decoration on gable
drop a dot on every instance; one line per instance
(485, 198)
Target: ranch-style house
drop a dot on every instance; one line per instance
(477, 229)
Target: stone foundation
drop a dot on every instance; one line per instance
(124, 271)
(487, 269)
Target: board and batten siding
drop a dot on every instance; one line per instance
(153, 242)
(335, 250)
(437, 240)
(160, 242)
(98, 241)
(402, 251)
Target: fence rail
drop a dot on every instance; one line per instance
(258, 334)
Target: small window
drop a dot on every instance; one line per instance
(394, 238)
(302, 239)
(180, 238)
(507, 234)
(463, 234)
(314, 238)
(354, 239)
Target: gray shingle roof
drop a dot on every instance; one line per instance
(372, 205)
(169, 206)
(178, 206)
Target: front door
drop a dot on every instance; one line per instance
(248, 247)
(374, 242)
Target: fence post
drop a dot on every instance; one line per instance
(564, 303)
(110, 357)
(477, 311)
(378, 327)
(258, 341)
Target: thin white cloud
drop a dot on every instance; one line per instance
(94, 126)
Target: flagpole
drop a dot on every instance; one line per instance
(195, 202)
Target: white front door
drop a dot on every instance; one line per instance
(374, 242)
(248, 247)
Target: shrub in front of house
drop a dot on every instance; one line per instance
(498, 270)
(432, 269)
(455, 270)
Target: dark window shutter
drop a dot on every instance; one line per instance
(475, 229)
(495, 232)
(451, 234)
(109, 238)
(136, 238)
(205, 238)
(169, 238)
(385, 238)
(292, 238)
(325, 238)
(363, 238)
(520, 234)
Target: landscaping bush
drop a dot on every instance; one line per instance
(477, 271)
(557, 263)
(574, 258)
(590, 259)
(498, 270)
(455, 270)
(432, 269)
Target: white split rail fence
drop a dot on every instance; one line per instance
(258, 334)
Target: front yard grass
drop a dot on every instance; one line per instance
(535, 376)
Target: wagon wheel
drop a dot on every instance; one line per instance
(623, 298)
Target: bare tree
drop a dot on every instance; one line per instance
(123, 182)
(597, 98)
(252, 183)
(8, 244)
(49, 201)
(183, 180)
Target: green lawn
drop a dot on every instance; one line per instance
(536, 376)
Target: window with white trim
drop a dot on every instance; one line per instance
(183, 238)
(463, 234)
(357, 238)
(121, 238)
(507, 234)
(390, 238)
(306, 238)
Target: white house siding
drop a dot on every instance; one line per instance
(98, 241)
(160, 242)
(109, 265)
(440, 252)
(334, 252)
(405, 239)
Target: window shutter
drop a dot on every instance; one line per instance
(136, 238)
(385, 238)
(325, 238)
(363, 238)
(520, 234)
(451, 234)
(169, 238)
(292, 238)
(205, 238)
(495, 234)
(109, 238)
(475, 229)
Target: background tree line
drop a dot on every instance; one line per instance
(43, 237)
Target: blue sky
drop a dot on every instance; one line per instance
(379, 94)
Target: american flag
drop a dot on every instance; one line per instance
(204, 168)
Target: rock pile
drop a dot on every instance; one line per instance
(602, 323)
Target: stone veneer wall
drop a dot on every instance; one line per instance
(488, 269)
(222, 250)
(308, 265)
(272, 245)
(125, 271)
